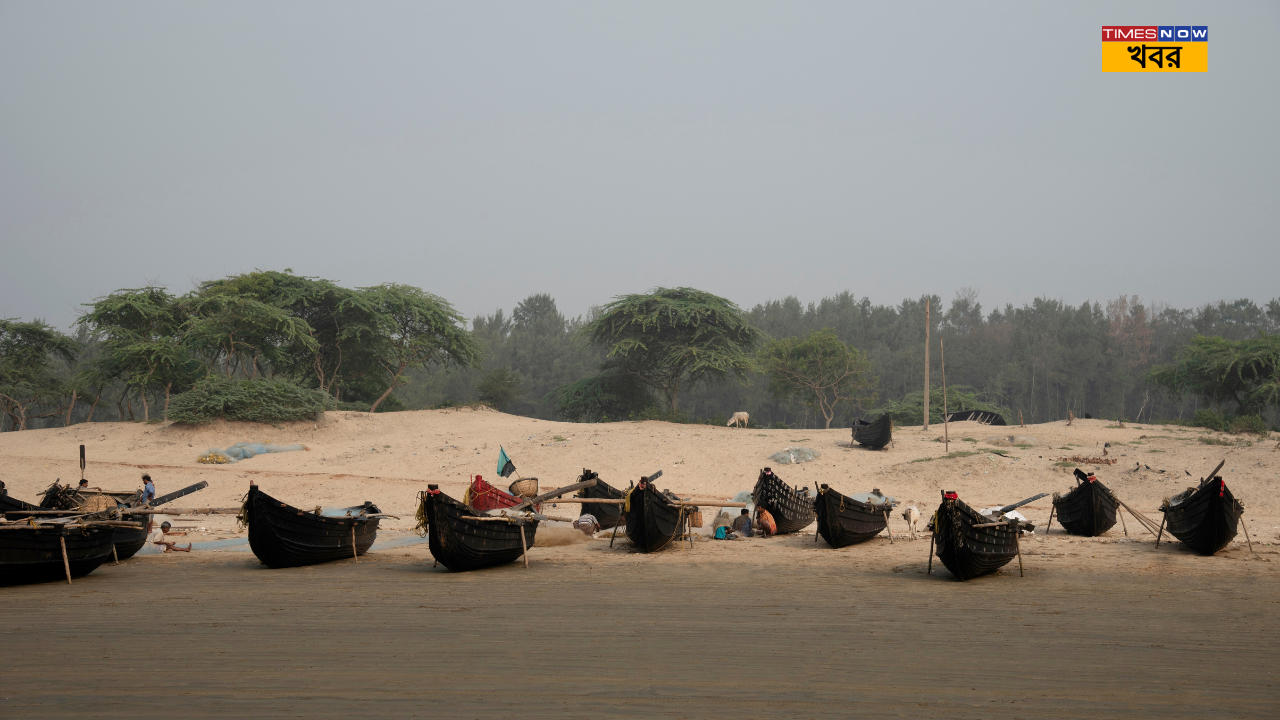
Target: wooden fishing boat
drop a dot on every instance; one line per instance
(653, 518)
(983, 416)
(460, 540)
(874, 434)
(1089, 509)
(607, 514)
(33, 553)
(792, 508)
(8, 502)
(968, 551)
(284, 536)
(1204, 518)
(844, 521)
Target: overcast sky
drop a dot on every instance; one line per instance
(489, 151)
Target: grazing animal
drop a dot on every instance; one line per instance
(739, 417)
(912, 516)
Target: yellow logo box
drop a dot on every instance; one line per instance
(1158, 57)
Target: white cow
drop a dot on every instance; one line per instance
(739, 419)
(912, 516)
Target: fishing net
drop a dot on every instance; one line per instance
(244, 451)
(795, 455)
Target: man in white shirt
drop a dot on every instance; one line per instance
(159, 536)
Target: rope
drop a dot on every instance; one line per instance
(421, 516)
(242, 519)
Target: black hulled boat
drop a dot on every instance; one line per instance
(607, 514)
(653, 518)
(967, 551)
(284, 536)
(985, 417)
(875, 434)
(33, 553)
(460, 541)
(1205, 519)
(8, 503)
(844, 521)
(1089, 509)
(792, 508)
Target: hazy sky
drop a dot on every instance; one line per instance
(487, 151)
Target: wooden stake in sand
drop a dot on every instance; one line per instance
(1122, 527)
(1018, 544)
(115, 559)
(1161, 533)
(1052, 510)
(524, 545)
(886, 526)
(1021, 422)
(1246, 534)
(355, 554)
(931, 536)
(926, 364)
(66, 564)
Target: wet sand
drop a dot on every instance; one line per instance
(779, 628)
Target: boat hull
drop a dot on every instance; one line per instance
(461, 543)
(35, 554)
(1207, 520)
(874, 434)
(843, 521)
(608, 515)
(1088, 510)
(966, 551)
(792, 509)
(282, 536)
(652, 519)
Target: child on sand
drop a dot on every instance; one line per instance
(159, 535)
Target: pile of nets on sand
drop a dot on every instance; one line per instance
(244, 451)
(794, 455)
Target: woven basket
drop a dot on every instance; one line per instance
(97, 503)
(525, 487)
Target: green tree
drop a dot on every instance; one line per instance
(820, 371)
(499, 387)
(29, 387)
(235, 332)
(143, 345)
(416, 329)
(1243, 372)
(339, 324)
(674, 338)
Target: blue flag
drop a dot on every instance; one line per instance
(505, 466)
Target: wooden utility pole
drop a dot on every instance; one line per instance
(927, 302)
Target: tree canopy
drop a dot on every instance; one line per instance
(674, 338)
(1245, 373)
(29, 387)
(820, 371)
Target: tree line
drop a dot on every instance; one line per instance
(673, 353)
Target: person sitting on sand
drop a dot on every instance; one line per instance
(768, 528)
(148, 489)
(159, 537)
(587, 524)
(742, 523)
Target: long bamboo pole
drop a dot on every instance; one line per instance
(946, 426)
(927, 303)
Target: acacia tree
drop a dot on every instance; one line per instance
(143, 343)
(674, 338)
(820, 371)
(28, 351)
(236, 332)
(414, 328)
(1244, 372)
(339, 322)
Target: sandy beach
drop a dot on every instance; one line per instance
(778, 627)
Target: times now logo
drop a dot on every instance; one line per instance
(1163, 33)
